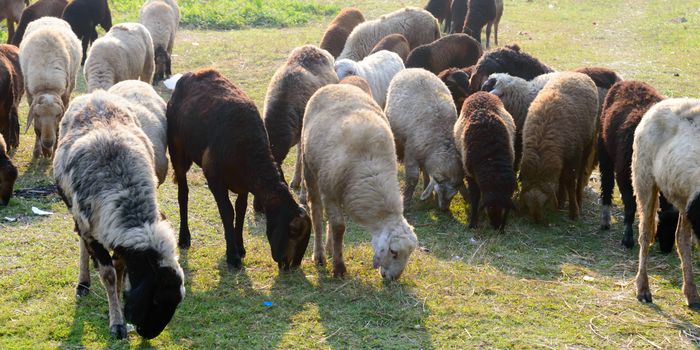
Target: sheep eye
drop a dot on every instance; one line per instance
(394, 253)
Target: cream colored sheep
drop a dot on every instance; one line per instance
(161, 18)
(418, 26)
(50, 57)
(149, 108)
(422, 116)
(349, 166)
(125, 52)
(378, 69)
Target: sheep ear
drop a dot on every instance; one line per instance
(428, 190)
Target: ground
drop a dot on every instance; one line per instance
(561, 285)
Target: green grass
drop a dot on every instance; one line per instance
(561, 285)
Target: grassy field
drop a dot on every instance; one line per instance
(562, 285)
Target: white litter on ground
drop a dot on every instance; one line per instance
(172, 81)
(40, 212)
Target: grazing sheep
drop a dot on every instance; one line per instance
(161, 18)
(360, 82)
(8, 174)
(479, 14)
(339, 29)
(83, 16)
(11, 91)
(12, 11)
(416, 25)
(603, 78)
(441, 10)
(214, 124)
(559, 137)
(41, 8)
(422, 116)
(350, 169)
(454, 50)
(457, 81)
(484, 134)
(125, 52)
(149, 109)
(50, 58)
(459, 14)
(378, 69)
(666, 158)
(104, 173)
(509, 60)
(395, 43)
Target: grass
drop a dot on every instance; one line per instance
(560, 285)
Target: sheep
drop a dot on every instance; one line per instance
(161, 18)
(125, 52)
(479, 14)
(307, 69)
(454, 50)
(494, 23)
(509, 59)
(459, 14)
(11, 90)
(83, 16)
(8, 174)
(416, 25)
(421, 114)
(149, 109)
(49, 58)
(441, 10)
(559, 137)
(666, 158)
(484, 134)
(349, 165)
(395, 43)
(357, 81)
(214, 124)
(457, 81)
(378, 69)
(339, 29)
(603, 78)
(12, 11)
(103, 170)
(41, 8)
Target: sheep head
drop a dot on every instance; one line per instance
(393, 245)
(419, 58)
(497, 208)
(163, 64)
(346, 67)
(8, 176)
(46, 112)
(288, 231)
(535, 199)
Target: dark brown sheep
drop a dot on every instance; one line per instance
(479, 13)
(339, 29)
(214, 124)
(12, 11)
(11, 91)
(41, 8)
(457, 81)
(83, 16)
(509, 59)
(623, 109)
(395, 43)
(8, 174)
(357, 81)
(459, 14)
(442, 10)
(454, 50)
(603, 78)
(484, 134)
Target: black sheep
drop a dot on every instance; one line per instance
(509, 60)
(83, 16)
(11, 91)
(441, 9)
(8, 174)
(41, 8)
(457, 81)
(459, 14)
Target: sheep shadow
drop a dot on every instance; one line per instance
(91, 313)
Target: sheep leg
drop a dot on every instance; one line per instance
(336, 226)
(296, 180)
(426, 179)
(37, 144)
(630, 204)
(182, 197)
(108, 276)
(220, 193)
(573, 203)
(10, 29)
(474, 198)
(488, 33)
(86, 42)
(607, 183)
(241, 206)
(412, 174)
(83, 287)
(313, 197)
(646, 201)
(119, 267)
(684, 245)
(668, 222)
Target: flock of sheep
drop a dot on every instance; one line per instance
(373, 93)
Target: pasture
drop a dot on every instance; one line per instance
(561, 285)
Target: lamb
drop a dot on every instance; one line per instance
(49, 58)
(357, 81)
(214, 124)
(378, 69)
(395, 43)
(41, 8)
(11, 90)
(459, 14)
(161, 18)
(12, 11)
(457, 81)
(416, 25)
(666, 158)
(83, 16)
(339, 29)
(509, 59)
(117, 211)
(307, 69)
(441, 10)
(484, 134)
(8, 174)
(125, 52)
(454, 50)
(479, 14)
(559, 137)
(149, 109)
(422, 116)
(350, 169)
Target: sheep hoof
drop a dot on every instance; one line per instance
(184, 243)
(339, 270)
(257, 206)
(694, 305)
(628, 242)
(118, 331)
(605, 227)
(82, 289)
(644, 296)
(235, 264)
(320, 261)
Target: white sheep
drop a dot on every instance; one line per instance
(149, 108)
(377, 69)
(50, 57)
(104, 173)
(422, 116)
(418, 26)
(161, 18)
(666, 158)
(349, 167)
(125, 52)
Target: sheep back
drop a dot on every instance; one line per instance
(509, 59)
(454, 50)
(339, 29)
(395, 43)
(357, 81)
(378, 69)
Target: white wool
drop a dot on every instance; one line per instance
(378, 69)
